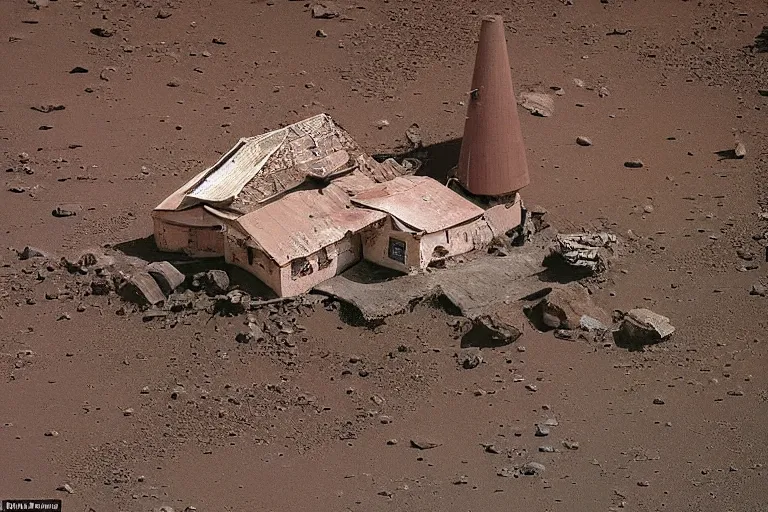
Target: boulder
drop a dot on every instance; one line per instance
(216, 282)
(501, 326)
(167, 276)
(586, 251)
(565, 307)
(102, 285)
(141, 288)
(642, 327)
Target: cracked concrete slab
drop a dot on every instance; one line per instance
(473, 286)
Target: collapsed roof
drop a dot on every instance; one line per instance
(259, 169)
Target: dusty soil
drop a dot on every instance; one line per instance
(300, 426)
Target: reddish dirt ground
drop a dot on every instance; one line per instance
(260, 428)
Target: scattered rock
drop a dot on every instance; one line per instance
(642, 326)
(163, 14)
(66, 488)
(63, 212)
(245, 337)
(603, 92)
(167, 276)
(51, 433)
(565, 307)
(542, 431)
(413, 134)
(174, 82)
(588, 251)
(17, 189)
(321, 33)
(30, 252)
(47, 108)
(423, 444)
(537, 103)
(758, 289)
(216, 40)
(634, 164)
(589, 324)
(128, 412)
(216, 282)
(570, 445)
(740, 150)
(583, 141)
(500, 329)
(102, 32)
(658, 401)
(547, 449)
(102, 285)
(532, 469)
(322, 11)
(470, 358)
(78, 69)
(140, 288)
(745, 255)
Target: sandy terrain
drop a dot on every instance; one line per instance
(310, 424)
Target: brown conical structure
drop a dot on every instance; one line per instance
(492, 160)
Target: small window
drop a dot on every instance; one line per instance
(323, 261)
(300, 267)
(396, 250)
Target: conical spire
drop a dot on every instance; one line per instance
(492, 160)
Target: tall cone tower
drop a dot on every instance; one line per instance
(492, 160)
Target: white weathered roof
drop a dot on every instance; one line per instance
(419, 202)
(303, 222)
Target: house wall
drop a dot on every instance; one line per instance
(503, 217)
(335, 259)
(298, 276)
(193, 231)
(198, 241)
(421, 250)
(236, 252)
(454, 241)
(376, 244)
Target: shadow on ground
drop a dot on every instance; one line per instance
(437, 159)
(146, 249)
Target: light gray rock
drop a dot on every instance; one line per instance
(140, 288)
(167, 276)
(532, 469)
(642, 326)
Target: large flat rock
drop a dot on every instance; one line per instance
(472, 286)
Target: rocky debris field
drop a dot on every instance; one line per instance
(641, 386)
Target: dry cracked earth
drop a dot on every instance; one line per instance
(107, 106)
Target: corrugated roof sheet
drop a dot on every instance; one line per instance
(420, 202)
(303, 222)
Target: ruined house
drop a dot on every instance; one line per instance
(255, 172)
(299, 205)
